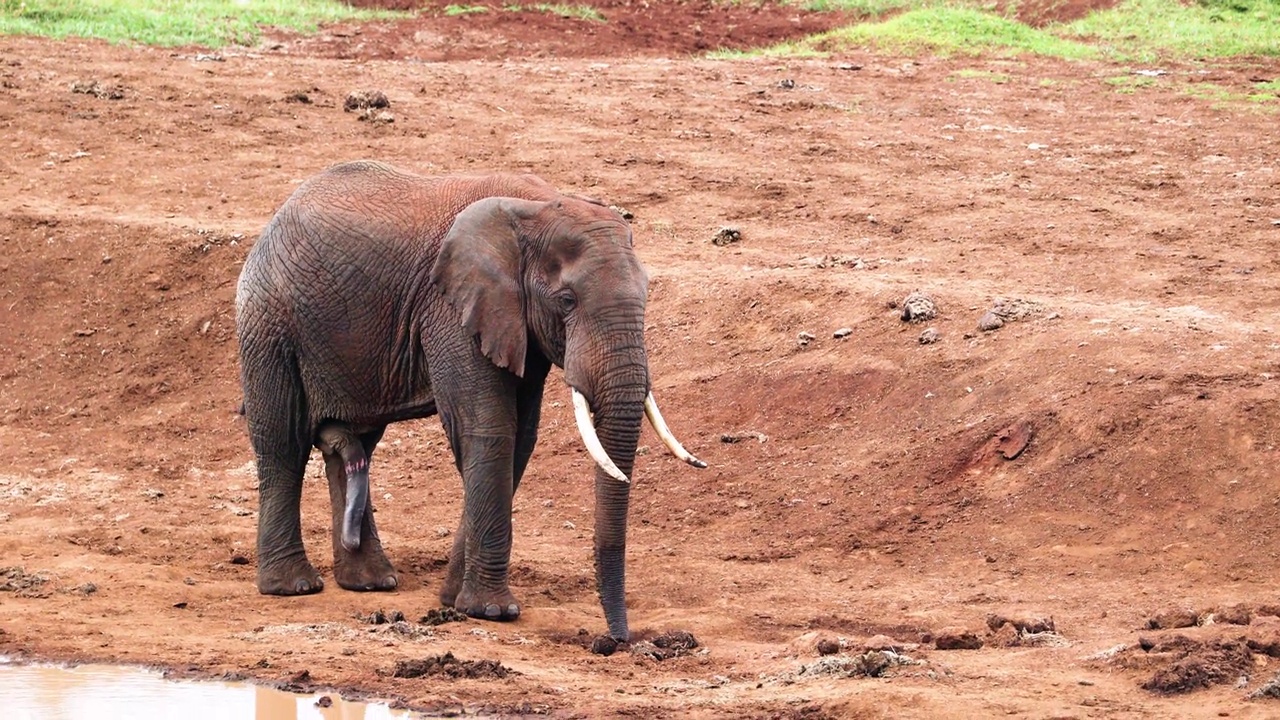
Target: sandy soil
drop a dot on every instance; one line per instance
(1105, 458)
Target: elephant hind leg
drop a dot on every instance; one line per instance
(275, 409)
(359, 562)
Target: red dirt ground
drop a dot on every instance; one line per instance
(1108, 455)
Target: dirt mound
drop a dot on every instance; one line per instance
(618, 28)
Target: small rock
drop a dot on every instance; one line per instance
(1010, 442)
(1021, 623)
(882, 643)
(828, 646)
(97, 89)
(990, 321)
(376, 116)
(918, 307)
(726, 236)
(1263, 637)
(842, 333)
(365, 100)
(929, 336)
(1173, 618)
(324, 701)
(956, 638)
(625, 213)
(239, 560)
(805, 337)
(1234, 615)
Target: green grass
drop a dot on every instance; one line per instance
(1133, 31)
(1129, 84)
(452, 10)
(1148, 30)
(974, 74)
(211, 23)
(868, 8)
(578, 12)
(941, 30)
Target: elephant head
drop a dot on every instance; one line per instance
(562, 276)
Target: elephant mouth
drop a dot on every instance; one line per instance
(587, 429)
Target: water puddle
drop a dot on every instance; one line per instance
(95, 692)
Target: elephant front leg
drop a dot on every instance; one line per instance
(358, 565)
(485, 532)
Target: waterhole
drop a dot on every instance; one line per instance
(105, 692)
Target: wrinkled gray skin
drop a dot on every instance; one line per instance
(375, 296)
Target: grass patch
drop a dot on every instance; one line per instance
(972, 74)
(867, 8)
(211, 23)
(1133, 31)
(942, 30)
(1147, 30)
(454, 10)
(1129, 84)
(573, 12)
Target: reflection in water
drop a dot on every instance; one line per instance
(104, 692)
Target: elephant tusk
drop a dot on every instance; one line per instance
(664, 432)
(587, 429)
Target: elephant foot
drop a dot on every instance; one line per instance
(452, 583)
(499, 605)
(289, 578)
(449, 593)
(365, 572)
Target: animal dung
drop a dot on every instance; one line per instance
(726, 236)
(365, 100)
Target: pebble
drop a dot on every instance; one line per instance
(842, 332)
(929, 336)
(990, 321)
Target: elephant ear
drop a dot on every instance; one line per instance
(478, 273)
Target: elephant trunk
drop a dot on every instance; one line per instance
(618, 426)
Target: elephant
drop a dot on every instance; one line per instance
(375, 295)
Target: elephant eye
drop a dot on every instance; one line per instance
(567, 300)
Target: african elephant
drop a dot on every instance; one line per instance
(375, 295)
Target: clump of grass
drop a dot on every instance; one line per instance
(974, 74)
(453, 10)
(1129, 84)
(211, 23)
(578, 12)
(942, 30)
(866, 8)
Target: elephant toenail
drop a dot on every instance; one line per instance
(302, 587)
(390, 582)
(492, 611)
(513, 610)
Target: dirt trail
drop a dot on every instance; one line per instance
(1104, 456)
